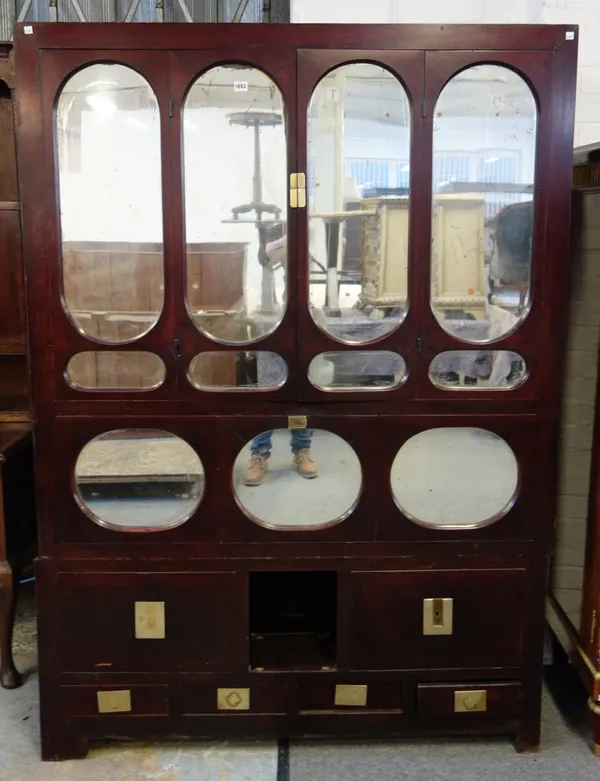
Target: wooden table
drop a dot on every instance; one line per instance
(17, 532)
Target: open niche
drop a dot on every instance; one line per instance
(293, 620)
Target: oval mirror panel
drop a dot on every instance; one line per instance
(236, 195)
(477, 370)
(297, 479)
(113, 370)
(484, 144)
(358, 139)
(455, 478)
(138, 480)
(239, 370)
(357, 370)
(109, 171)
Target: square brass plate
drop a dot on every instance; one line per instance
(150, 620)
(114, 702)
(350, 695)
(470, 701)
(233, 699)
(297, 421)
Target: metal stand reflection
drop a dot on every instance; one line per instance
(258, 120)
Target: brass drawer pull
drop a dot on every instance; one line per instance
(470, 701)
(233, 699)
(114, 701)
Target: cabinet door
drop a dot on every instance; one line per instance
(387, 619)
(358, 129)
(138, 622)
(234, 129)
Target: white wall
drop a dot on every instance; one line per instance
(585, 13)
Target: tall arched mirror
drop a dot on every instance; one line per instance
(236, 184)
(358, 202)
(484, 143)
(109, 176)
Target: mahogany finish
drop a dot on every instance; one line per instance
(375, 567)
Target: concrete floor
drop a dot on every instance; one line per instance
(565, 752)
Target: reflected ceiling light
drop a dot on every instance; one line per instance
(405, 167)
(491, 159)
(102, 104)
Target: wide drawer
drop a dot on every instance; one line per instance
(464, 701)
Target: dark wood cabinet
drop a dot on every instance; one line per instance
(221, 305)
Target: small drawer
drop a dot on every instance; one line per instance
(201, 699)
(460, 701)
(116, 700)
(357, 697)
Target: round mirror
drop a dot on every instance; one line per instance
(477, 370)
(358, 147)
(236, 193)
(297, 479)
(108, 156)
(114, 370)
(357, 370)
(484, 144)
(456, 478)
(138, 480)
(237, 370)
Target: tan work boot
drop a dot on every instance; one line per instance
(305, 465)
(256, 471)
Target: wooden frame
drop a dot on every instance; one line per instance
(375, 545)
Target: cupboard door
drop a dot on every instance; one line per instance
(234, 128)
(357, 133)
(481, 627)
(141, 622)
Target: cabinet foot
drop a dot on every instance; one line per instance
(64, 748)
(10, 677)
(528, 740)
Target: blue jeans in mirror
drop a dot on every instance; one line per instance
(260, 450)
(300, 439)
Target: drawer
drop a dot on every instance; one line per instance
(201, 699)
(145, 622)
(116, 700)
(464, 701)
(323, 697)
(481, 625)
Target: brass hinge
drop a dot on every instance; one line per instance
(297, 191)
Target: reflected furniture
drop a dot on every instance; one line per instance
(574, 598)
(17, 533)
(17, 516)
(384, 266)
(401, 592)
(458, 275)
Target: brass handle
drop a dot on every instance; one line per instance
(297, 191)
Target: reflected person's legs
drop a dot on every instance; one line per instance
(260, 450)
(301, 439)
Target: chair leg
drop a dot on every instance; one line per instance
(10, 678)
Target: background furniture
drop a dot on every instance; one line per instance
(384, 238)
(398, 593)
(17, 533)
(574, 596)
(17, 515)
